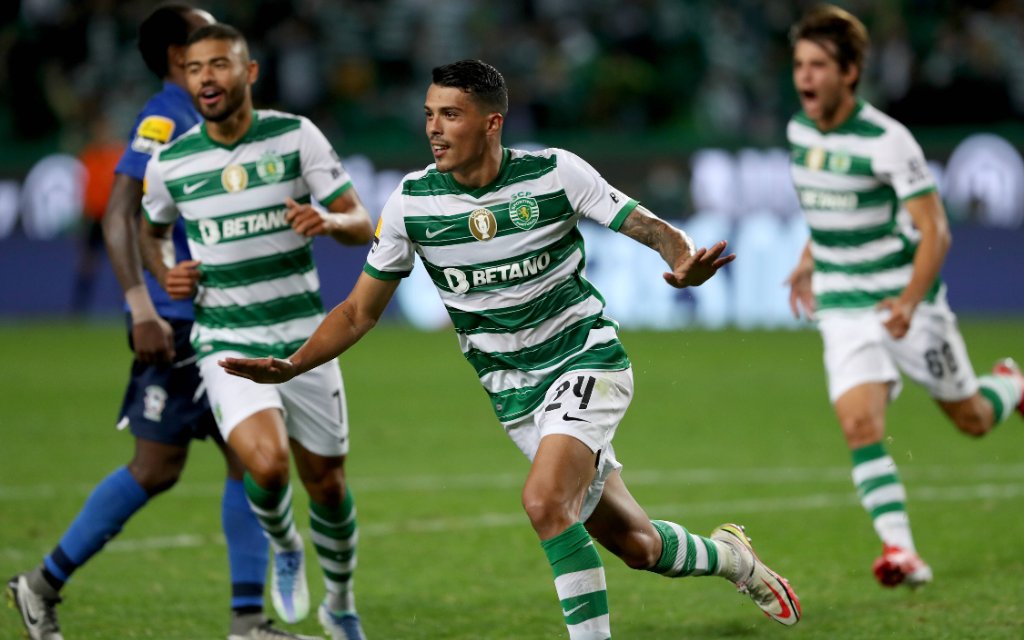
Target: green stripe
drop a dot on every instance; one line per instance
(563, 344)
(889, 507)
(240, 225)
(260, 314)
(623, 213)
(669, 547)
(334, 554)
(335, 530)
(852, 237)
(565, 544)
(384, 275)
(891, 261)
(186, 146)
(512, 171)
(210, 181)
(454, 229)
(839, 163)
(854, 124)
(253, 350)
(918, 194)
(336, 577)
(998, 408)
(332, 196)
(567, 293)
(857, 298)
(273, 266)
(871, 484)
(511, 404)
(877, 197)
(595, 605)
(276, 522)
(867, 453)
(526, 264)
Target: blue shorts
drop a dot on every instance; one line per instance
(166, 402)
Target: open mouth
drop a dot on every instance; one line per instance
(210, 96)
(438, 149)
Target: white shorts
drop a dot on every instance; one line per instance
(313, 403)
(587, 405)
(858, 350)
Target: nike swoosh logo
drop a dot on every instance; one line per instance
(786, 611)
(569, 418)
(574, 609)
(189, 189)
(431, 233)
(32, 619)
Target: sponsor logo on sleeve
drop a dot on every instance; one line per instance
(152, 132)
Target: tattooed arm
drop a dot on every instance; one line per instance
(690, 267)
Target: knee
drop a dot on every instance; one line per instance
(640, 550)
(155, 479)
(862, 429)
(269, 468)
(548, 516)
(327, 489)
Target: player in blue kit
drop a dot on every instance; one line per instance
(164, 406)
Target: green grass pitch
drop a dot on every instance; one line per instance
(725, 426)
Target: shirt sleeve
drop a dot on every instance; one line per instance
(902, 165)
(391, 256)
(590, 194)
(151, 130)
(321, 167)
(157, 204)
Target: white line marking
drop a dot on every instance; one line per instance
(724, 508)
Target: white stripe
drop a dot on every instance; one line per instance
(335, 544)
(281, 332)
(579, 583)
(860, 253)
(282, 507)
(331, 523)
(873, 469)
(701, 561)
(884, 495)
(505, 342)
(806, 178)
(516, 379)
(717, 508)
(848, 220)
(592, 629)
(637, 477)
(879, 281)
(337, 567)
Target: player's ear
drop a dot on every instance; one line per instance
(176, 56)
(851, 75)
(253, 71)
(494, 123)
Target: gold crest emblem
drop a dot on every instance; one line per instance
(234, 178)
(815, 158)
(482, 224)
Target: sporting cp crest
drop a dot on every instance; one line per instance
(234, 178)
(839, 162)
(270, 168)
(524, 211)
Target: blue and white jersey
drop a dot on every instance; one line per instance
(166, 116)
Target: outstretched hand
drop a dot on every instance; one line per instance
(263, 370)
(698, 267)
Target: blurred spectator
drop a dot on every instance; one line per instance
(705, 71)
(99, 158)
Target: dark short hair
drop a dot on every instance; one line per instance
(837, 31)
(218, 31)
(477, 78)
(164, 27)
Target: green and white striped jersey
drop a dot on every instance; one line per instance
(507, 260)
(259, 292)
(852, 182)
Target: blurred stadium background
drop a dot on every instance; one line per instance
(681, 104)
